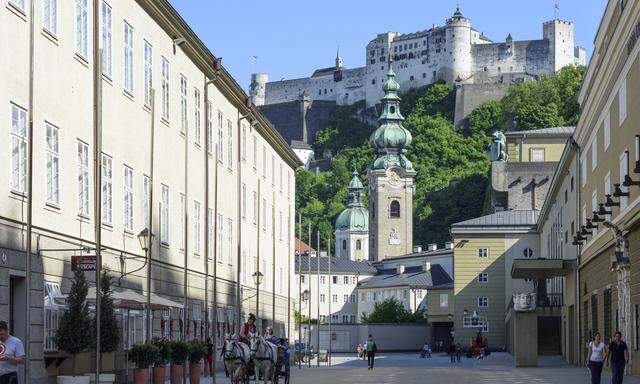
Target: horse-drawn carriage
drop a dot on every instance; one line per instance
(260, 360)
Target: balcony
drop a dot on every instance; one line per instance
(541, 268)
(528, 302)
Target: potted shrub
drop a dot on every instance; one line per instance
(162, 358)
(197, 350)
(109, 332)
(75, 332)
(142, 355)
(179, 354)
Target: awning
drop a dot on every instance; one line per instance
(127, 298)
(541, 268)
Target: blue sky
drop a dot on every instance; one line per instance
(293, 37)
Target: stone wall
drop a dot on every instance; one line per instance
(299, 120)
(470, 96)
(513, 188)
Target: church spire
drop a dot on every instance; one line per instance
(391, 139)
(355, 191)
(339, 64)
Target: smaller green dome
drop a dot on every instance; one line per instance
(353, 219)
(391, 85)
(390, 135)
(355, 182)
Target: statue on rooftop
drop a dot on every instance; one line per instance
(498, 147)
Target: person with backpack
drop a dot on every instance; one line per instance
(372, 348)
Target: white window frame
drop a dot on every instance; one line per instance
(210, 231)
(482, 302)
(107, 189)
(165, 228)
(622, 102)
(196, 115)
(255, 153)
(255, 208)
(127, 177)
(52, 164)
(220, 237)
(607, 130)
(128, 55)
(106, 21)
(444, 300)
(244, 200)
(83, 169)
(183, 224)
(146, 199)
(209, 127)
(50, 16)
(82, 29)
(184, 119)
(483, 277)
(229, 144)
(148, 72)
(220, 136)
(535, 152)
(583, 169)
(165, 88)
(483, 253)
(244, 143)
(19, 137)
(594, 153)
(196, 228)
(230, 242)
(322, 297)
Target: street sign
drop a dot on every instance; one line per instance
(85, 263)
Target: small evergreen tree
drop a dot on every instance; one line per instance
(109, 332)
(75, 333)
(392, 311)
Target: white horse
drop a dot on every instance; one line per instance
(265, 358)
(236, 357)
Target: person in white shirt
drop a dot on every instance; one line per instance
(11, 355)
(595, 358)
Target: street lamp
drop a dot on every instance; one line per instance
(305, 295)
(144, 237)
(257, 278)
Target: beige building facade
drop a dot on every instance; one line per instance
(218, 189)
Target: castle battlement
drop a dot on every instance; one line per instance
(455, 53)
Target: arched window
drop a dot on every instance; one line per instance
(358, 245)
(394, 209)
(344, 244)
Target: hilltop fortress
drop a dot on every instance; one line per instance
(455, 53)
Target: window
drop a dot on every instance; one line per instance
(83, 178)
(128, 199)
(244, 200)
(334, 279)
(622, 101)
(528, 253)
(483, 252)
(244, 142)
(164, 214)
(334, 318)
(209, 127)
(264, 161)
(334, 298)
(322, 297)
(358, 245)
(280, 225)
(624, 170)
(594, 153)
(273, 170)
(18, 149)
(196, 227)
(146, 199)
(220, 236)
(128, 58)
(302, 277)
(183, 105)
(483, 302)
(52, 164)
(353, 280)
(20, 4)
(345, 319)
(183, 224)
(196, 106)
(165, 89)
(444, 300)
(345, 279)
(230, 242)
(394, 209)
(229, 144)
(210, 226)
(220, 137)
(264, 214)
(280, 179)
(483, 277)
(255, 207)
(352, 298)
(583, 169)
(344, 244)
(50, 16)
(82, 39)
(607, 130)
(107, 190)
(148, 72)
(537, 154)
(255, 152)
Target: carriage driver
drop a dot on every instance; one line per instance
(248, 329)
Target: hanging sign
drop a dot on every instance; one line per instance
(85, 263)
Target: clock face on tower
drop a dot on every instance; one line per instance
(393, 178)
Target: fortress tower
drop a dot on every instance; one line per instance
(458, 32)
(390, 181)
(561, 43)
(257, 90)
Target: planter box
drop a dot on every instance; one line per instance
(105, 378)
(73, 379)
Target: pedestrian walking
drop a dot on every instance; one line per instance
(595, 358)
(372, 348)
(364, 349)
(618, 356)
(458, 352)
(11, 355)
(208, 359)
(452, 352)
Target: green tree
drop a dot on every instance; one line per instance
(109, 332)
(391, 311)
(75, 332)
(486, 118)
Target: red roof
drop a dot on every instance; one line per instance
(303, 247)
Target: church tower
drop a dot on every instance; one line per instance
(352, 225)
(390, 181)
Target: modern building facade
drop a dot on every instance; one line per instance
(120, 119)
